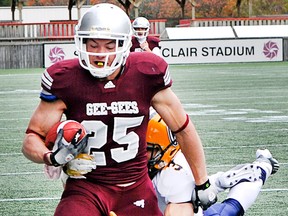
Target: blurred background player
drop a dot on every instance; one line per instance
(141, 41)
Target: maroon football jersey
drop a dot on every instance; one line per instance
(152, 41)
(115, 113)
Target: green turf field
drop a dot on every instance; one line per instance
(236, 108)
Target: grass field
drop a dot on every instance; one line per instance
(236, 108)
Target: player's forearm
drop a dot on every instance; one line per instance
(192, 149)
(34, 148)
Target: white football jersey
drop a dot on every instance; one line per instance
(174, 183)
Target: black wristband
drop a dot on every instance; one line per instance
(53, 161)
(203, 186)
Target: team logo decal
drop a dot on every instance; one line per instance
(270, 49)
(140, 203)
(56, 54)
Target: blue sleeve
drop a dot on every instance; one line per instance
(229, 207)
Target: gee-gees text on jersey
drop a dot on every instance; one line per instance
(120, 107)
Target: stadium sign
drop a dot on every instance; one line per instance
(57, 52)
(220, 51)
(193, 51)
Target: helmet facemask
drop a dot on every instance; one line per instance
(97, 24)
(155, 153)
(121, 53)
(141, 35)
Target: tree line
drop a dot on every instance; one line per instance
(177, 9)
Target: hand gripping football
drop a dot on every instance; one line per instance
(70, 128)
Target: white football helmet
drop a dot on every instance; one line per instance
(143, 23)
(104, 21)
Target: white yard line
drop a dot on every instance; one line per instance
(21, 173)
(30, 199)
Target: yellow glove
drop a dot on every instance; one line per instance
(80, 165)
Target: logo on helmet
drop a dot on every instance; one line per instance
(98, 28)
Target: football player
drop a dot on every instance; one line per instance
(110, 93)
(141, 40)
(173, 181)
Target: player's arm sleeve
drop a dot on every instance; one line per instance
(160, 74)
(46, 91)
(57, 79)
(163, 79)
(154, 72)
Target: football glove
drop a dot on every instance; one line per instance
(80, 166)
(66, 152)
(204, 196)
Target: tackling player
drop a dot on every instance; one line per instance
(173, 180)
(110, 93)
(141, 40)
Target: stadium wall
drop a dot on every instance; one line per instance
(21, 55)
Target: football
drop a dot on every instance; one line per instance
(70, 128)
